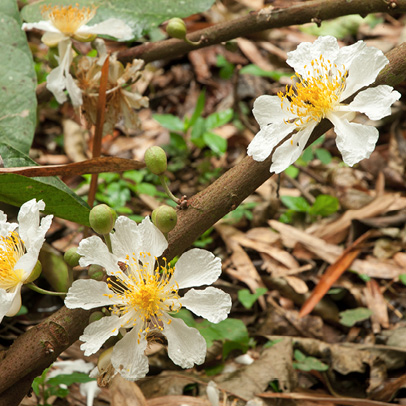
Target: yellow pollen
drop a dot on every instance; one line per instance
(313, 97)
(148, 292)
(68, 19)
(11, 250)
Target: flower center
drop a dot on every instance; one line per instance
(148, 292)
(314, 96)
(11, 250)
(68, 19)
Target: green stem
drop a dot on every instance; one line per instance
(35, 288)
(167, 191)
(107, 240)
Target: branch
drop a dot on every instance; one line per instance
(261, 20)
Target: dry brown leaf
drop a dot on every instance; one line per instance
(74, 140)
(178, 401)
(126, 393)
(250, 50)
(377, 304)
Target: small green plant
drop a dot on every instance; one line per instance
(248, 299)
(57, 386)
(305, 363)
(199, 128)
(244, 210)
(324, 206)
(350, 317)
(231, 332)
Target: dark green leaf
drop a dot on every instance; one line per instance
(196, 135)
(198, 109)
(58, 198)
(308, 363)
(75, 377)
(324, 155)
(247, 298)
(307, 155)
(402, 278)
(257, 71)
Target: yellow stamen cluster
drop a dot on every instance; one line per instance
(11, 250)
(313, 97)
(148, 294)
(68, 19)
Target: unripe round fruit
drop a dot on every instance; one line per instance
(102, 219)
(36, 272)
(71, 257)
(165, 218)
(95, 316)
(96, 272)
(176, 28)
(155, 159)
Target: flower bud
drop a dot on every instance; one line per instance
(104, 362)
(95, 316)
(155, 159)
(71, 257)
(96, 272)
(176, 28)
(35, 273)
(165, 218)
(102, 219)
(82, 37)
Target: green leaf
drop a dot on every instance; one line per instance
(18, 81)
(196, 135)
(350, 317)
(58, 198)
(307, 155)
(308, 363)
(226, 68)
(141, 16)
(172, 123)
(324, 155)
(201, 100)
(257, 71)
(402, 278)
(219, 118)
(216, 143)
(325, 205)
(39, 381)
(247, 298)
(296, 203)
(75, 377)
(292, 171)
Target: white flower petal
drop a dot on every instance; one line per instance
(113, 26)
(300, 59)
(98, 332)
(29, 229)
(56, 84)
(7, 299)
(125, 240)
(151, 238)
(290, 150)
(27, 263)
(375, 102)
(6, 228)
(211, 303)
(267, 139)
(267, 110)
(197, 267)
(40, 25)
(73, 90)
(52, 39)
(363, 64)
(88, 294)
(186, 346)
(94, 251)
(355, 141)
(129, 357)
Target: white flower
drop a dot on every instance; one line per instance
(19, 250)
(61, 24)
(327, 76)
(141, 294)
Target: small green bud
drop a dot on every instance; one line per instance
(155, 159)
(176, 28)
(96, 272)
(36, 272)
(95, 316)
(165, 218)
(71, 257)
(102, 219)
